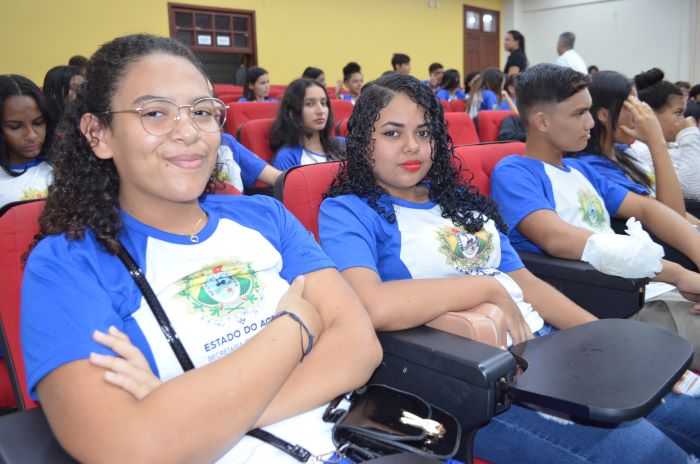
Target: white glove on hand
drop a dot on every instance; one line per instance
(633, 256)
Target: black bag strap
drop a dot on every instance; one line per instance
(163, 321)
(298, 452)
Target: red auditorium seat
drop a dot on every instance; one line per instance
(331, 92)
(277, 91)
(480, 159)
(445, 106)
(461, 128)
(341, 128)
(458, 105)
(255, 135)
(341, 109)
(489, 121)
(18, 225)
(238, 113)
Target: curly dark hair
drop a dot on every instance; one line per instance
(13, 85)
(458, 199)
(288, 129)
(85, 189)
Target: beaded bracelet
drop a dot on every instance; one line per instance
(304, 351)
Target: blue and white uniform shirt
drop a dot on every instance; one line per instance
(33, 184)
(421, 244)
(575, 192)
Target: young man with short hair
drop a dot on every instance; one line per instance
(401, 63)
(562, 207)
(435, 71)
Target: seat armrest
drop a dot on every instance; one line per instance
(603, 295)
(462, 376)
(25, 436)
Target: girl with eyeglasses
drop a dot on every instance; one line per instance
(134, 177)
(26, 129)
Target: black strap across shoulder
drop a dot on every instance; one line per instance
(299, 453)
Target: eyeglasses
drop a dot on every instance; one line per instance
(160, 116)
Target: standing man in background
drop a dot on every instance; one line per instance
(568, 57)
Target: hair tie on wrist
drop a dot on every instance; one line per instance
(302, 325)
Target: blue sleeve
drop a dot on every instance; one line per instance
(251, 165)
(490, 101)
(442, 94)
(340, 139)
(242, 100)
(346, 235)
(287, 157)
(460, 95)
(612, 194)
(510, 260)
(614, 173)
(517, 185)
(58, 317)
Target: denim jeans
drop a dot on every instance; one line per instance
(669, 434)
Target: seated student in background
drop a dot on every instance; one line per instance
(470, 79)
(509, 88)
(489, 94)
(25, 136)
(241, 167)
(563, 206)
(512, 128)
(60, 85)
(415, 242)
(257, 86)
(315, 74)
(352, 81)
(450, 87)
(435, 73)
(680, 133)
(694, 93)
(401, 63)
(301, 134)
(692, 110)
(620, 118)
(219, 264)
(684, 86)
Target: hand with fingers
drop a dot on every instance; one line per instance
(688, 285)
(516, 325)
(646, 126)
(130, 370)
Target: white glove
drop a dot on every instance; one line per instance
(633, 256)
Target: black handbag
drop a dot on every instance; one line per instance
(382, 420)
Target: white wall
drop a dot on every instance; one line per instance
(623, 35)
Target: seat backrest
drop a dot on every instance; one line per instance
(342, 109)
(445, 105)
(255, 136)
(238, 113)
(480, 160)
(301, 190)
(461, 128)
(489, 122)
(458, 105)
(277, 91)
(222, 89)
(341, 128)
(18, 225)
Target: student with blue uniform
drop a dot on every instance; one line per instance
(241, 167)
(450, 87)
(414, 242)
(301, 134)
(488, 93)
(353, 80)
(257, 86)
(562, 206)
(134, 176)
(26, 132)
(621, 118)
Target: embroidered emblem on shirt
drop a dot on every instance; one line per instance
(591, 209)
(34, 193)
(224, 290)
(464, 251)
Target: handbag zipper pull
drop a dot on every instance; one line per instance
(431, 427)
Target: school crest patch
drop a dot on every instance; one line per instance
(464, 251)
(591, 209)
(221, 291)
(34, 194)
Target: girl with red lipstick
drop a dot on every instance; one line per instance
(415, 242)
(26, 128)
(620, 119)
(301, 133)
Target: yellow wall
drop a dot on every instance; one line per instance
(292, 34)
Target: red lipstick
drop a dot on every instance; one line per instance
(411, 166)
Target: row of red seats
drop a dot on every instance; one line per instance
(230, 93)
(254, 131)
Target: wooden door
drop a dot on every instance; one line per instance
(481, 39)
